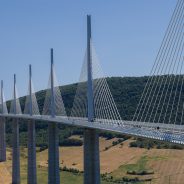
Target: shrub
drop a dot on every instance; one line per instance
(71, 142)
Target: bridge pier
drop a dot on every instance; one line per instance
(32, 176)
(16, 153)
(91, 157)
(91, 137)
(53, 154)
(2, 140)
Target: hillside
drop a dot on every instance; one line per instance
(131, 159)
(119, 164)
(125, 90)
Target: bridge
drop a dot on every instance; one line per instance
(159, 113)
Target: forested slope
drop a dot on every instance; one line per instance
(125, 90)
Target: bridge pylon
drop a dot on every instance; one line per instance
(32, 175)
(53, 150)
(16, 148)
(91, 137)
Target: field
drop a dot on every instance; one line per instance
(157, 166)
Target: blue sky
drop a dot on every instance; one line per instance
(126, 34)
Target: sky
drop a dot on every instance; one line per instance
(127, 35)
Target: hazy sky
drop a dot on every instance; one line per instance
(126, 33)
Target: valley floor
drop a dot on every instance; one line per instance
(155, 166)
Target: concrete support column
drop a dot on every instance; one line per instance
(91, 157)
(2, 140)
(53, 160)
(32, 177)
(16, 153)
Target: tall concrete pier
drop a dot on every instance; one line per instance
(2, 140)
(16, 153)
(53, 151)
(53, 161)
(2, 129)
(15, 142)
(32, 176)
(91, 137)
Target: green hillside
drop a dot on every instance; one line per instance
(125, 90)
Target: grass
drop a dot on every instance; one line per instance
(42, 173)
(140, 166)
(162, 162)
(65, 177)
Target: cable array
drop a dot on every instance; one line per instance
(162, 100)
(58, 102)
(3, 107)
(33, 101)
(104, 105)
(79, 109)
(15, 104)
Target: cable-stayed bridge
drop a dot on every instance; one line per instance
(159, 113)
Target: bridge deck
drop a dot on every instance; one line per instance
(158, 131)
